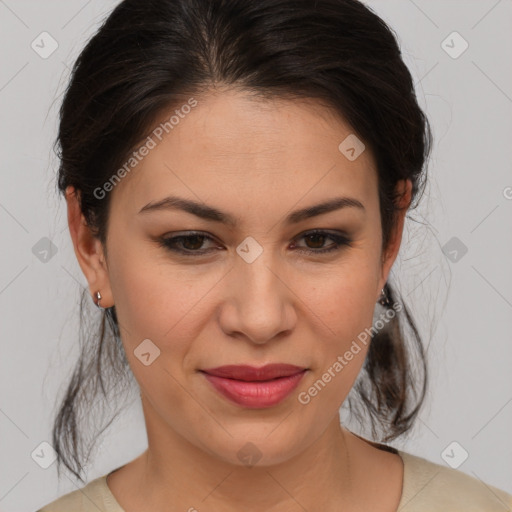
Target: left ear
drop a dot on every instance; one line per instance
(404, 189)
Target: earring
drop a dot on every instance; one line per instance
(384, 299)
(97, 301)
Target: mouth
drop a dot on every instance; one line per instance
(252, 387)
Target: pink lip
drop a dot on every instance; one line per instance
(255, 387)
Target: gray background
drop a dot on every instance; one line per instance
(463, 306)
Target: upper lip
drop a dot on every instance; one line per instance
(252, 373)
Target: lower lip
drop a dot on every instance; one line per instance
(255, 394)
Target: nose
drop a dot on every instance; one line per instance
(259, 305)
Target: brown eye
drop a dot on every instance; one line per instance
(316, 240)
(192, 244)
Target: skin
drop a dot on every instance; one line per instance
(256, 160)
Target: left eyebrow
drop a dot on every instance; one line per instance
(209, 213)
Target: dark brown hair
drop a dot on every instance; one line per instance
(150, 56)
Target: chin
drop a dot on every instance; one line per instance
(258, 450)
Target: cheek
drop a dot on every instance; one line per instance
(158, 303)
(158, 300)
(344, 301)
(344, 296)
(342, 307)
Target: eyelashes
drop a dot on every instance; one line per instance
(195, 239)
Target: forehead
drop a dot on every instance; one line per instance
(247, 151)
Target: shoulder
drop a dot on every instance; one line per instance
(93, 497)
(430, 486)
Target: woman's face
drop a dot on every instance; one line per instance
(245, 292)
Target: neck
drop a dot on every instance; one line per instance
(318, 477)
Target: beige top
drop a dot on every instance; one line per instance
(426, 487)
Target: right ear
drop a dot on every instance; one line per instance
(88, 250)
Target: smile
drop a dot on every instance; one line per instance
(255, 394)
